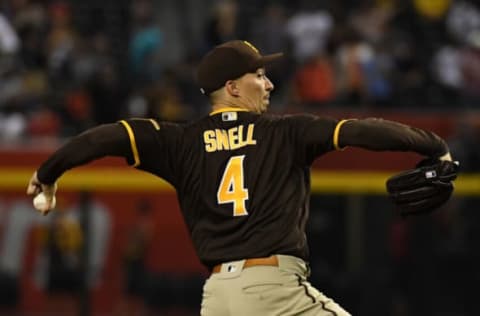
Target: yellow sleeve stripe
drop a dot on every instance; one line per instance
(155, 124)
(336, 133)
(133, 143)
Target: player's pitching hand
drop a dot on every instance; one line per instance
(35, 188)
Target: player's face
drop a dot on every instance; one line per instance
(254, 90)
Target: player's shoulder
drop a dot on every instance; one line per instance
(301, 123)
(287, 119)
(153, 125)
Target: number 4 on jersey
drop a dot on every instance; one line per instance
(231, 189)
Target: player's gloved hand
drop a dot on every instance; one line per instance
(35, 187)
(425, 188)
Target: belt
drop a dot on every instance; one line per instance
(267, 261)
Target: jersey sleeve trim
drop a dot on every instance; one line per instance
(336, 133)
(133, 143)
(154, 123)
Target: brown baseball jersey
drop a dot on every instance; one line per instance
(242, 178)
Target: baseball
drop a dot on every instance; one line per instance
(40, 201)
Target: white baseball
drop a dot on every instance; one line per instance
(40, 201)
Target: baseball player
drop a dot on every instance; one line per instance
(242, 179)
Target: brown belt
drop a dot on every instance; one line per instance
(267, 261)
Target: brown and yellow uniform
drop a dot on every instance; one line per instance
(243, 185)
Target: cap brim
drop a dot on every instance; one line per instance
(268, 60)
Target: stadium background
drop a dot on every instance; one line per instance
(117, 245)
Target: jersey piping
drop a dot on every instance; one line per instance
(133, 143)
(336, 134)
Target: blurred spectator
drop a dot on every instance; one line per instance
(9, 42)
(32, 26)
(401, 65)
(192, 99)
(434, 10)
(12, 120)
(352, 55)
(465, 142)
(10, 289)
(314, 82)
(138, 243)
(60, 42)
(91, 53)
(463, 19)
(372, 22)
(273, 20)
(137, 105)
(10, 88)
(309, 30)
(145, 44)
(378, 71)
(12, 126)
(62, 244)
(45, 123)
(399, 236)
(107, 94)
(470, 68)
(78, 114)
(222, 26)
(448, 73)
(165, 99)
(447, 67)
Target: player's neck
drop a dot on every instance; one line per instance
(221, 106)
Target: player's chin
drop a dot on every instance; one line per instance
(265, 104)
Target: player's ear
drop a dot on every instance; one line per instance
(232, 88)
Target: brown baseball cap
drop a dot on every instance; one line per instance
(229, 61)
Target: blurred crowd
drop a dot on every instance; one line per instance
(68, 65)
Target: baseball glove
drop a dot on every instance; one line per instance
(423, 189)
